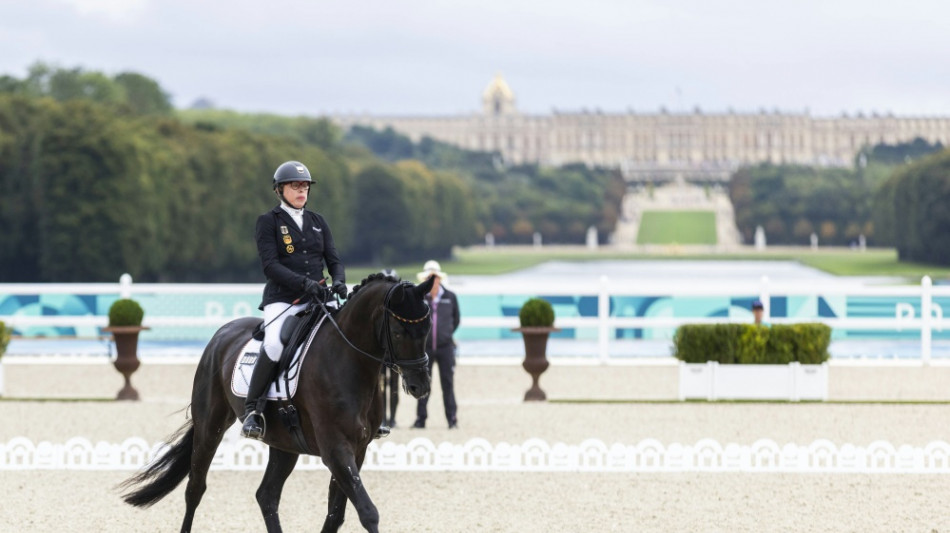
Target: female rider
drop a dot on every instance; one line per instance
(294, 244)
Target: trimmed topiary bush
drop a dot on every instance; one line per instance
(713, 342)
(125, 312)
(536, 312)
(811, 343)
(751, 348)
(5, 333)
(750, 344)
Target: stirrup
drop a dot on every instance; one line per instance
(251, 433)
(383, 431)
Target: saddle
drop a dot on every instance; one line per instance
(296, 335)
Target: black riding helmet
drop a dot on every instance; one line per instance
(291, 171)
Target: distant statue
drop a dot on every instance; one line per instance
(489, 240)
(537, 239)
(814, 241)
(759, 238)
(592, 238)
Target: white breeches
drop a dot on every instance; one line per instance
(272, 345)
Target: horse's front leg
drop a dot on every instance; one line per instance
(336, 508)
(279, 466)
(345, 468)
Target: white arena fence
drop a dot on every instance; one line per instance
(913, 312)
(533, 455)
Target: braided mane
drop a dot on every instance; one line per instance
(370, 279)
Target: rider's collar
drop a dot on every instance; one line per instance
(291, 211)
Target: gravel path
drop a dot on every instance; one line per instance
(491, 408)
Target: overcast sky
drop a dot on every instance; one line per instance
(435, 57)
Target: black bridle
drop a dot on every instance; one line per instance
(389, 354)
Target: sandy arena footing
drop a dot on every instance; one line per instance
(490, 407)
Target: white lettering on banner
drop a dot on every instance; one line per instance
(216, 309)
(241, 309)
(905, 311)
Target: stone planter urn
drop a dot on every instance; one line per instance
(537, 323)
(535, 358)
(125, 324)
(127, 358)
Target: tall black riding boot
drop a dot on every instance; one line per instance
(261, 378)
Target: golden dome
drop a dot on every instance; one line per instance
(498, 87)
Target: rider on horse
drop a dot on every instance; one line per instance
(294, 244)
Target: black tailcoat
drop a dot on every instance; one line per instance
(289, 255)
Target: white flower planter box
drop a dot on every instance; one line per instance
(793, 382)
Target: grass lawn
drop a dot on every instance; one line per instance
(680, 227)
(503, 259)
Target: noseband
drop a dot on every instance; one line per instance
(389, 356)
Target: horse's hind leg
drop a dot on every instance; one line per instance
(210, 426)
(279, 466)
(336, 508)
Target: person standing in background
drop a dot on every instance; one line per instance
(757, 311)
(440, 344)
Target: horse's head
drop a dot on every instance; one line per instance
(407, 321)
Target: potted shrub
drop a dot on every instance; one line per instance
(4, 340)
(125, 324)
(536, 317)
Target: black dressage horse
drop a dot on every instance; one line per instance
(384, 322)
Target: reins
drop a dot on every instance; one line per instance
(388, 359)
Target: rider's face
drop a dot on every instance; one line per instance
(296, 193)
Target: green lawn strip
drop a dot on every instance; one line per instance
(677, 227)
(503, 260)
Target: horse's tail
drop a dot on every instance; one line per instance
(163, 475)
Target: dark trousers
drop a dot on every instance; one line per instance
(389, 379)
(445, 357)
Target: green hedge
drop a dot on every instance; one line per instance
(750, 344)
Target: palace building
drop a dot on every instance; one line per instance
(664, 145)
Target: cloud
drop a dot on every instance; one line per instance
(112, 10)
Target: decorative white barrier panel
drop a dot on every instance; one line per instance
(793, 382)
(534, 455)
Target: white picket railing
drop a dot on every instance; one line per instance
(930, 318)
(533, 455)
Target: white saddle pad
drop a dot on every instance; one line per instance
(244, 366)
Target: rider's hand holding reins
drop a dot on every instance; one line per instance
(319, 292)
(339, 288)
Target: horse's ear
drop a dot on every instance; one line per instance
(421, 289)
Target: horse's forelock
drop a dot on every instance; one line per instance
(412, 309)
